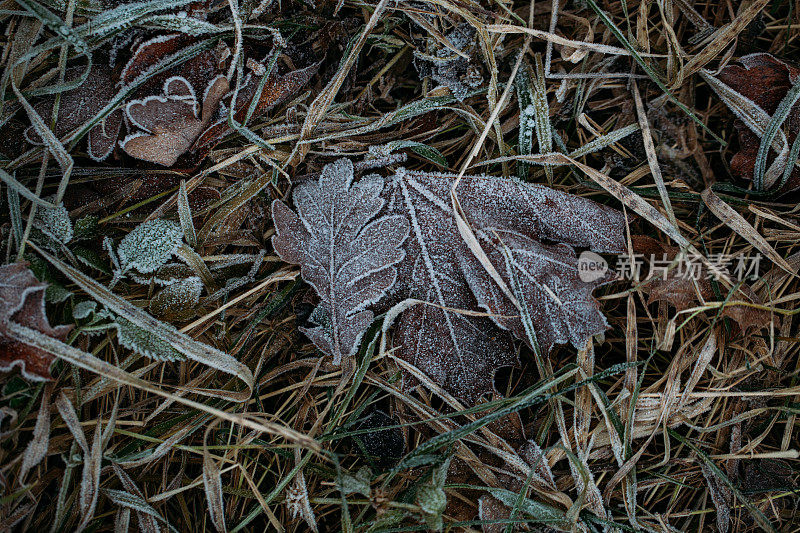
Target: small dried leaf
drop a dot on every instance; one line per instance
(22, 301)
(346, 254)
(171, 123)
(177, 300)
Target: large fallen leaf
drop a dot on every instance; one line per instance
(528, 232)
(346, 254)
(456, 322)
(22, 301)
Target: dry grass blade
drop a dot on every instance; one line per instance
(37, 448)
(212, 484)
(650, 150)
(731, 218)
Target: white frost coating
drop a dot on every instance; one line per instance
(346, 254)
(132, 136)
(55, 223)
(149, 246)
(179, 88)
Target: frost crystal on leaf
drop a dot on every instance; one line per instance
(149, 246)
(144, 342)
(55, 223)
(346, 254)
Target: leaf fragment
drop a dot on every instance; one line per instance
(22, 301)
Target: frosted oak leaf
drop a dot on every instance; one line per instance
(529, 233)
(345, 252)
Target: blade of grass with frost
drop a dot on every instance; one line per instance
(131, 501)
(212, 483)
(111, 21)
(242, 128)
(54, 22)
(725, 35)
(650, 72)
(185, 215)
(540, 513)
(604, 141)
(750, 113)
(755, 512)
(90, 479)
(89, 362)
(736, 222)
(188, 25)
(650, 152)
(791, 162)
(194, 350)
(406, 112)
(778, 118)
(541, 109)
(319, 107)
(520, 501)
(48, 137)
(14, 213)
(37, 447)
(526, 122)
